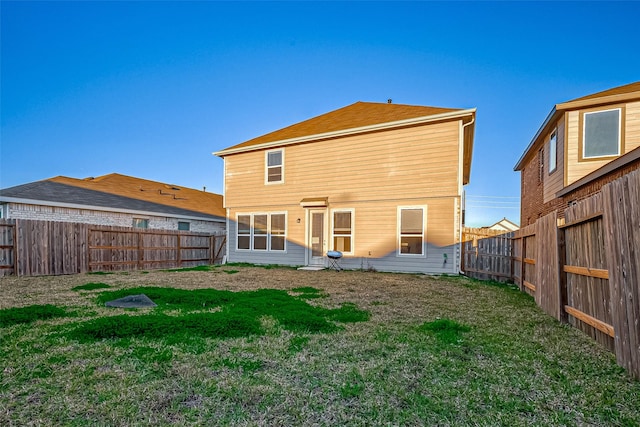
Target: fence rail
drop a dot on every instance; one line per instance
(33, 248)
(584, 271)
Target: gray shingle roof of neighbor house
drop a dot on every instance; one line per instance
(48, 192)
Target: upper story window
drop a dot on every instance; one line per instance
(183, 226)
(601, 134)
(553, 152)
(274, 170)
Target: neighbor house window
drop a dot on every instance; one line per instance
(553, 152)
(342, 230)
(262, 232)
(274, 166)
(411, 230)
(140, 223)
(601, 134)
(244, 232)
(183, 226)
(278, 227)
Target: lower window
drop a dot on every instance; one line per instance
(411, 225)
(342, 231)
(261, 232)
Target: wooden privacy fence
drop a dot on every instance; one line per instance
(586, 269)
(33, 248)
(489, 258)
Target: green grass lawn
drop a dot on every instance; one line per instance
(284, 347)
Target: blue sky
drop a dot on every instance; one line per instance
(151, 89)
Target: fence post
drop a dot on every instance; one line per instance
(562, 276)
(140, 251)
(179, 249)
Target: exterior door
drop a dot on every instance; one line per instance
(317, 237)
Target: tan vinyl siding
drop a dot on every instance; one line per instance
(554, 182)
(375, 236)
(576, 169)
(632, 130)
(401, 164)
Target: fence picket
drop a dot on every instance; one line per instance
(30, 248)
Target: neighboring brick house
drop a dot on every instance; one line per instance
(116, 200)
(582, 145)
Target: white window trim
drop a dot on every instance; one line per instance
(584, 133)
(553, 148)
(352, 211)
(398, 235)
(238, 215)
(266, 167)
(268, 234)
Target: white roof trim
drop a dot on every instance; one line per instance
(346, 132)
(103, 209)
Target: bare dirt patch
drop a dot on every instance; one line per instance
(382, 294)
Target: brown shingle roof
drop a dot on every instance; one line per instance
(631, 87)
(151, 191)
(353, 116)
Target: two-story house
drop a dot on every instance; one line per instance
(382, 183)
(581, 145)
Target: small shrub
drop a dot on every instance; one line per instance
(15, 316)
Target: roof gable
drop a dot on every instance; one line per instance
(357, 115)
(619, 90)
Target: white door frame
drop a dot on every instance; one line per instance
(309, 258)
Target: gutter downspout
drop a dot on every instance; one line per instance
(457, 268)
